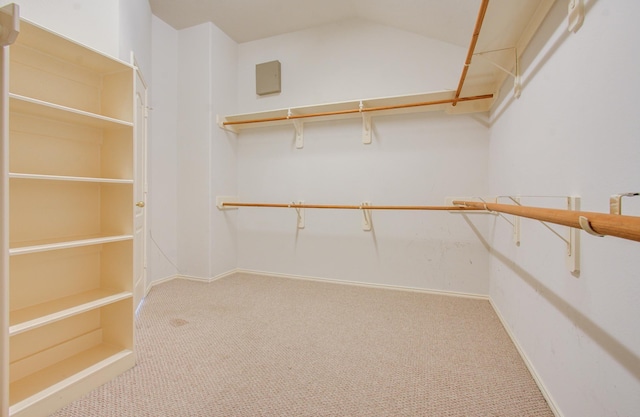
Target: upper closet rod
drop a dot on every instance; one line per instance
(359, 110)
(626, 227)
(347, 207)
(472, 47)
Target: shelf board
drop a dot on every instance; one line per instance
(68, 178)
(68, 374)
(39, 108)
(55, 244)
(42, 314)
(351, 109)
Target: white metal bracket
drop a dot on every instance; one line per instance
(300, 213)
(572, 240)
(517, 80)
(220, 199)
(220, 122)
(366, 125)
(448, 201)
(573, 246)
(9, 24)
(615, 202)
(366, 129)
(516, 225)
(299, 126)
(367, 225)
(575, 15)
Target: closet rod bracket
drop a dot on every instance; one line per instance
(221, 199)
(366, 125)
(299, 126)
(615, 202)
(220, 122)
(517, 80)
(572, 240)
(367, 225)
(299, 212)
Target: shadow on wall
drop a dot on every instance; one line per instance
(625, 357)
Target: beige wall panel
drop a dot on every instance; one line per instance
(117, 324)
(41, 210)
(34, 341)
(117, 208)
(117, 266)
(44, 276)
(117, 95)
(53, 355)
(39, 76)
(117, 153)
(43, 146)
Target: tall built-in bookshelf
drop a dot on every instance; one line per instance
(68, 249)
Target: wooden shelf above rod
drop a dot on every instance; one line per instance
(434, 101)
(231, 204)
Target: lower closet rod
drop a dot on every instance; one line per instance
(626, 227)
(348, 207)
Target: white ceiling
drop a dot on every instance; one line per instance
(246, 20)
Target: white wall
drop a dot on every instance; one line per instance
(206, 161)
(92, 23)
(135, 34)
(352, 59)
(414, 159)
(574, 131)
(162, 151)
(113, 27)
(223, 158)
(194, 150)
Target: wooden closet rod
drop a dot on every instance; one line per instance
(363, 110)
(347, 207)
(626, 227)
(472, 47)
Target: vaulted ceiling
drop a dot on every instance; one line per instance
(246, 20)
(507, 27)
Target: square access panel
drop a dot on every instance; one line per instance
(268, 78)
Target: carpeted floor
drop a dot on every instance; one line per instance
(259, 346)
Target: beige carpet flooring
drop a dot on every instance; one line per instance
(260, 346)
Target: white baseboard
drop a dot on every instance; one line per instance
(527, 362)
(189, 278)
(363, 284)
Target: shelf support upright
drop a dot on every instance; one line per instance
(366, 125)
(9, 29)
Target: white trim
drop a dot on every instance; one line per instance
(543, 389)
(365, 284)
(190, 278)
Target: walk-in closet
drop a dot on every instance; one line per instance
(319, 208)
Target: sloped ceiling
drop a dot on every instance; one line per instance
(246, 20)
(506, 30)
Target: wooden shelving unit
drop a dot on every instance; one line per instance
(68, 250)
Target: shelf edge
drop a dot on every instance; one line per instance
(68, 312)
(67, 245)
(46, 177)
(71, 110)
(74, 379)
